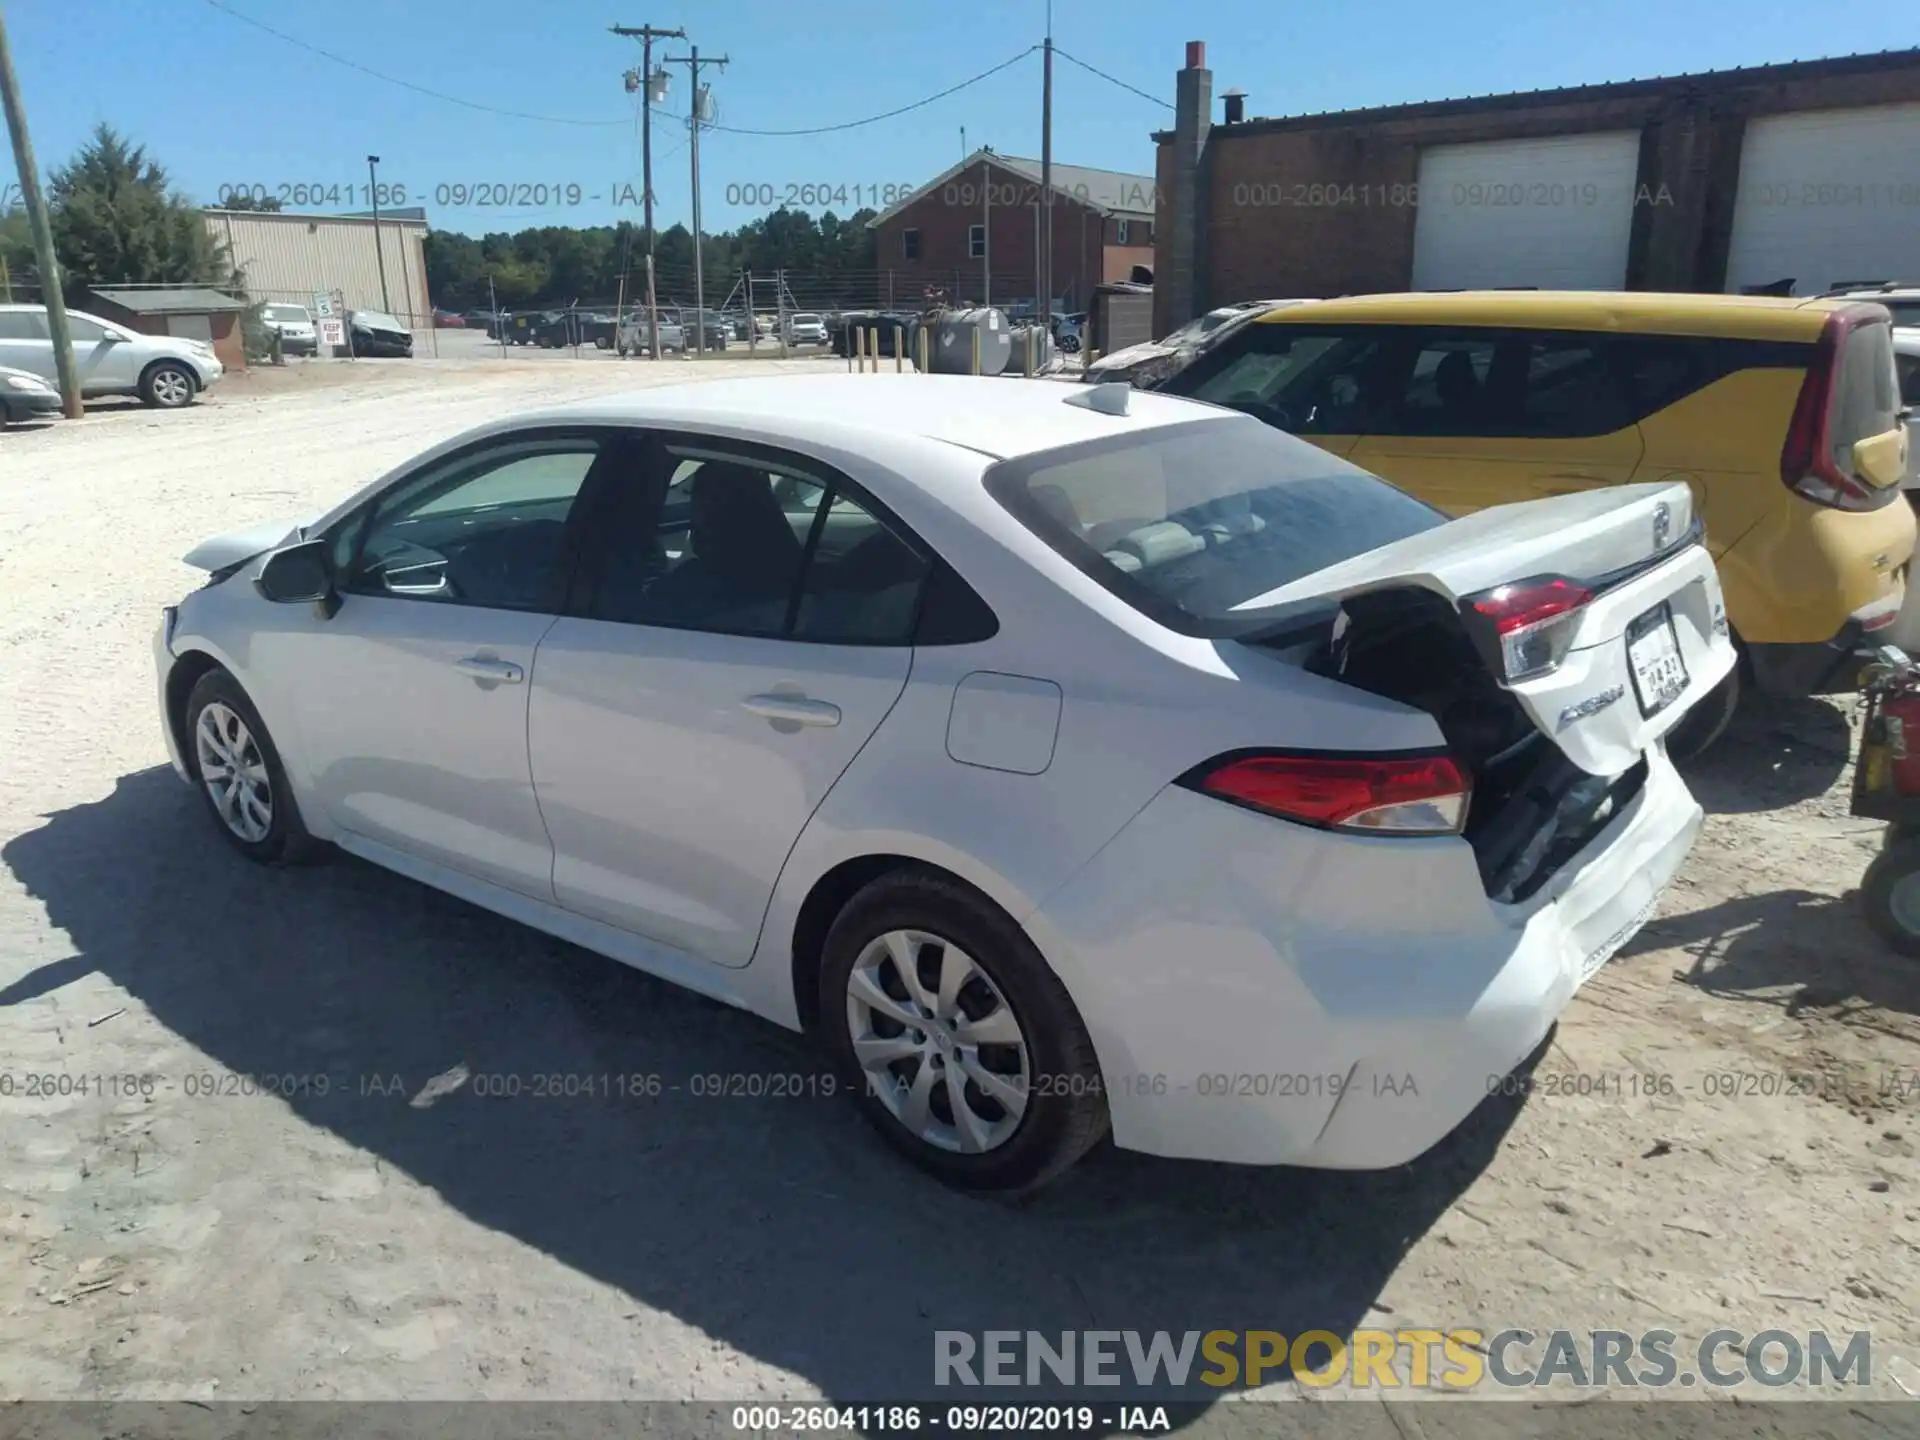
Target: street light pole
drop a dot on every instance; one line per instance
(379, 250)
(49, 266)
(646, 34)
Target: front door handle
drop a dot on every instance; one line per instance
(485, 667)
(793, 709)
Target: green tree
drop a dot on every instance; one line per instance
(117, 219)
(240, 200)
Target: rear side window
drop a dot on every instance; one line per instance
(1464, 380)
(1186, 523)
(22, 325)
(1909, 367)
(1866, 399)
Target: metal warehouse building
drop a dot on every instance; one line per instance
(289, 256)
(1807, 172)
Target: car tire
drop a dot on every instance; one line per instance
(222, 728)
(1890, 895)
(168, 385)
(1058, 1106)
(1707, 721)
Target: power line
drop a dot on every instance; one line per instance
(228, 10)
(404, 84)
(876, 119)
(1111, 80)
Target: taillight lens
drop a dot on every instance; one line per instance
(1807, 462)
(1386, 795)
(1531, 621)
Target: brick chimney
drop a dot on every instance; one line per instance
(1179, 284)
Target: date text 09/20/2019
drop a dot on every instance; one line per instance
(539, 194)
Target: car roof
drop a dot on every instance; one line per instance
(1746, 316)
(996, 416)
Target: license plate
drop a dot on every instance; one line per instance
(1653, 654)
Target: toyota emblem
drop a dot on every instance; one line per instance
(1662, 525)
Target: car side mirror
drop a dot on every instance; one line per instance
(298, 574)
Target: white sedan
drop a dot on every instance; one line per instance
(1063, 759)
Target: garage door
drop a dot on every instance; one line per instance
(1553, 213)
(1828, 197)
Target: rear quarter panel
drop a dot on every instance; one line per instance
(1793, 571)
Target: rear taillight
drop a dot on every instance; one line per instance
(1530, 622)
(1375, 794)
(1807, 463)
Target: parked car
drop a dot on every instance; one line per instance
(633, 337)
(522, 328)
(449, 320)
(1157, 361)
(374, 333)
(1361, 770)
(294, 325)
(25, 396)
(1068, 331)
(165, 371)
(765, 325)
(487, 320)
(1902, 300)
(806, 328)
(1783, 414)
(714, 328)
(1906, 360)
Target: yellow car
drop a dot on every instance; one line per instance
(1783, 415)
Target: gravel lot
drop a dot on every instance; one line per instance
(397, 1241)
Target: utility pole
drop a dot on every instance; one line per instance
(63, 362)
(695, 105)
(1045, 277)
(646, 35)
(379, 250)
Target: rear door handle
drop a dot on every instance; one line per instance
(483, 667)
(795, 709)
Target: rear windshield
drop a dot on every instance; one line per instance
(806, 319)
(376, 320)
(1866, 400)
(1905, 312)
(1187, 522)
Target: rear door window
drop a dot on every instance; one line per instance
(1909, 368)
(22, 325)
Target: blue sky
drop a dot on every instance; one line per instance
(220, 102)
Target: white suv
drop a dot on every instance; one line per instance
(1902, 300)
(163, 370)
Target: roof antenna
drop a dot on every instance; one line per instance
(1107, 399)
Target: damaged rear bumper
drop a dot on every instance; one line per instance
(1264, 993)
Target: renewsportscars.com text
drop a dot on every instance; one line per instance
(1452, 1359)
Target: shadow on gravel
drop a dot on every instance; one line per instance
(1775, 752)
(781, 1226)
(1816, 947)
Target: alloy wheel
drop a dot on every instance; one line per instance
(939, 1045)
(171, 387)
(234, 772)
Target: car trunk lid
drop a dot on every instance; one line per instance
(1598, 613)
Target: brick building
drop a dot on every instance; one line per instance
(973, 232)
(1722, 181)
